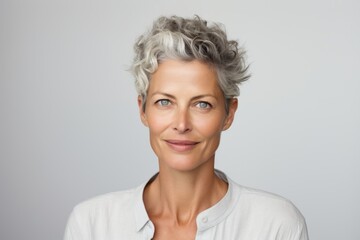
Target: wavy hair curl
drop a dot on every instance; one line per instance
(183, 39)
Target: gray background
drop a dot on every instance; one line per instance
(70, 128)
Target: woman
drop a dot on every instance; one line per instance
(187, 76)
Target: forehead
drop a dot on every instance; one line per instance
(189, 76)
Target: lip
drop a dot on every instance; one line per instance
(181, 145)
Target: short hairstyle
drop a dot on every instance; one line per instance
(190, 39)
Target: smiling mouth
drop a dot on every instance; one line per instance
(181, 145)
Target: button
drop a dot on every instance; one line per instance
(204, 219)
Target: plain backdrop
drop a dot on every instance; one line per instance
(70, 128)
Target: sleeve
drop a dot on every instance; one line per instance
(78, 226)
(292, 224)
(292, 231)
(302, 232)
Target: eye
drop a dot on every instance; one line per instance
(163, 102)
(203, 105)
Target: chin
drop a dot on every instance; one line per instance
(184, 163)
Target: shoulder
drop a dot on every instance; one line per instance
(269, 204)
(102, 215)
(121, 201)
(269, 211)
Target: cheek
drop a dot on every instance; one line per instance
(157, 123)
(209, 126)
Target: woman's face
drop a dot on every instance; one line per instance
(185, 114)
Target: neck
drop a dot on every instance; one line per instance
(182, 195)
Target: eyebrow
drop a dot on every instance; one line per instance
(193, 98)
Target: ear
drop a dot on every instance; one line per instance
(141, 111)
(233, 104)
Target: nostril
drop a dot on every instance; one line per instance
(181, 129)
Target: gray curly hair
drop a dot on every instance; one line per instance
(183, 39)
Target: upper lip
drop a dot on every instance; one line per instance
(181, 142)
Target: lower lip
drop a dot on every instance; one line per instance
(181, 147)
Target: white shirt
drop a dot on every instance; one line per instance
(242, 214)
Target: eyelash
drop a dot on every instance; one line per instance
(208, 105)
(160, 102)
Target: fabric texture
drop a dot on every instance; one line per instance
(242, 214)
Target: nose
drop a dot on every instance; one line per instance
(182, 121)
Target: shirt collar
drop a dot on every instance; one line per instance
(141, 216)
(217, 213)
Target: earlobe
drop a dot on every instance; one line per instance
(142, 111)
(233, 104)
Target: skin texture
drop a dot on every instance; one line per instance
(185, 114)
